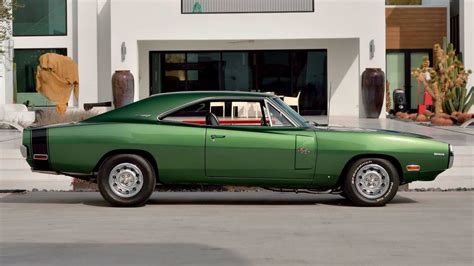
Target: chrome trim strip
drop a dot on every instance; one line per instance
(267, 111)
(264, 98)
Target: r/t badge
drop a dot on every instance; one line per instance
(303, 151)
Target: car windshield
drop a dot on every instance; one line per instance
(297, 117)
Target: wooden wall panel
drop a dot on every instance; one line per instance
(415, 28)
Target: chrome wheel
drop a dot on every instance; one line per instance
(372, 181)
(126, 180)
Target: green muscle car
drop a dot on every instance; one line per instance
(230, 138)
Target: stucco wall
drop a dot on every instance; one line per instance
(363, 20)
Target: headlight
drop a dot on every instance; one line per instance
(451, 156)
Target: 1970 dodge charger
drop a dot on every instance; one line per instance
(230, 138)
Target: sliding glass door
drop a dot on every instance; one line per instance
(282, 72)
(399, 65)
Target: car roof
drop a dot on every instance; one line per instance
(199, 94)
(149, 108)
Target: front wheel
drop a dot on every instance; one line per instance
(126, 180)
(371, 182)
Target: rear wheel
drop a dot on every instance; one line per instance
(126, 180)
(371, 182)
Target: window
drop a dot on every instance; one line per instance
(190, 71)
(285, 73)
(399, 65)
(26, 61)
(228, 112)
(277, 118)
(245, 6)
(40, 18)
(403, 2)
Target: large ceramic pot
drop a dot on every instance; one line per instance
(122, 88)
(373, 80)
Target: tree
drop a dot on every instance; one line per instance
(6, 16)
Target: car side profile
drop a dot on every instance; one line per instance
(230, 138)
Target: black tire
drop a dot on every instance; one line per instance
(142, 182)
(386, 182)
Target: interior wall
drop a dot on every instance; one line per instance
(343, 64)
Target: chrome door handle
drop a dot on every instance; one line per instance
(217, 136)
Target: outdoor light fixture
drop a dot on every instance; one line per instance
(372, 48)
(123, 51)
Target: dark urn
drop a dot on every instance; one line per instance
(122, 88)
(373, 80)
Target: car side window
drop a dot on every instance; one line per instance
(277, 118)
(239, 113)
(193, 114)
(227, 112)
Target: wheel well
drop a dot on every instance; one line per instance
(389, 158)
(141, 153)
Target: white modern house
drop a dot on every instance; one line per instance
(317, 47)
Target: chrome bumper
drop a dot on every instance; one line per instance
(451, 156)
(24, 151)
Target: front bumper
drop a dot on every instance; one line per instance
(451, 156)
(24, 151)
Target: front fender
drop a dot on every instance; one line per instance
(336, 149)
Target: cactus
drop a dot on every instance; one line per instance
(447, 76)
(458, 100)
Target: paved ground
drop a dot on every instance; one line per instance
(76, 228)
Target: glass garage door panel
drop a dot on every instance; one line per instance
(395, 73)
(281, 72)
(417, 90)
(237, 71)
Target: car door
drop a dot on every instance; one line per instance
(275, 152)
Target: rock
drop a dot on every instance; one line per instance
(440, 120)
(428, 113)
(463, 117)
(421, 118)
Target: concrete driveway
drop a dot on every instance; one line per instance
(226, 228)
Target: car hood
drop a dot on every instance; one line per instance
(376, 131)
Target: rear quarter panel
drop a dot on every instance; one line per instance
(79, 148)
